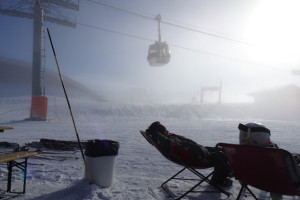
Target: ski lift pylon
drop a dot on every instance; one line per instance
(158, 53)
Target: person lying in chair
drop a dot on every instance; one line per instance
(258, 135)
(209, 156)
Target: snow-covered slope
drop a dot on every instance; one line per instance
(15, 80)
(140, 168)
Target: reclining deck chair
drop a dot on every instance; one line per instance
(181, 157)
(269, 169)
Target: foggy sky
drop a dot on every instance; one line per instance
(103, 60)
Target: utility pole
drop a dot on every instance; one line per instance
(40, 11)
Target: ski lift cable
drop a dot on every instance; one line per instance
(112, 31)
(256, 65)
(170, 23)
(189, 25)
(122, 10)
(184, 48)
(203, 29)
(175, 24)
(207, 33)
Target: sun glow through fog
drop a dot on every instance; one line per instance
(274, 30)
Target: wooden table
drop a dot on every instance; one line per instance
(11, 160)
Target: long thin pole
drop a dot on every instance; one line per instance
(71, 113)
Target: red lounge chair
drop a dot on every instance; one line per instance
(269, 169)
(183, 158)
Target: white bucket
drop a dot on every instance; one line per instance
(101, 170)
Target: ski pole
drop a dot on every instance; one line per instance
(71, 113)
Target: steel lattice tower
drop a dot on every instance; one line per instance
(40, 11)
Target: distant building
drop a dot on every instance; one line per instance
(280, 103)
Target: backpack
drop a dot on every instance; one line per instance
(255, 134)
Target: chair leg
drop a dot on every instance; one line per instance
(209, 182)
(243, 190)
(251, 193)
(173, 176)
(202, 179)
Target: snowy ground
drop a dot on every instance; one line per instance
(139, 167)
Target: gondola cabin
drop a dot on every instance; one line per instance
(158, 54)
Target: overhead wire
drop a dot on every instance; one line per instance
(180, 22)
(169, 23)
(144, 16)
(175, 45)
(122, 10)
(135, 13)
(207, 33)
(112, 31)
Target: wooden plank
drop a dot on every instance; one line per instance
(16, 155)
(2, 128)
